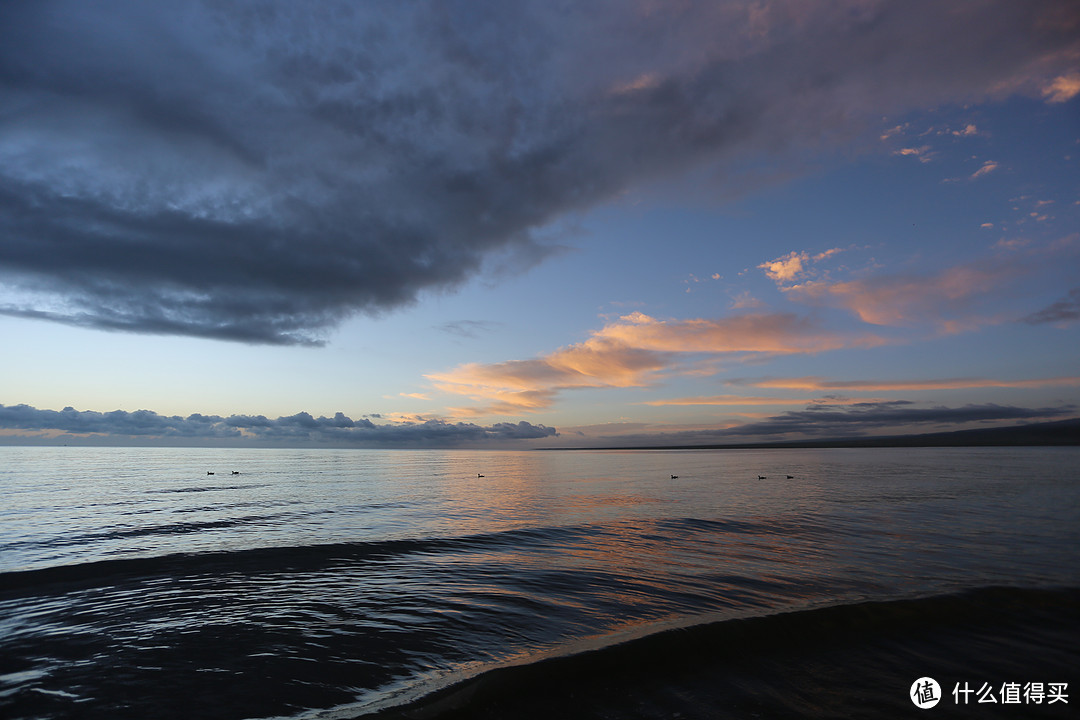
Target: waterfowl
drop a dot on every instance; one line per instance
(209, 473)
(479, 475)
(761, 477)
(674, 477)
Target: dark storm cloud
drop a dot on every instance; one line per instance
(299, 429)
(258, 171)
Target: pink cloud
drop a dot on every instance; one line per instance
(743, 400)
(908, 299)
(987, 167)
(751, 332)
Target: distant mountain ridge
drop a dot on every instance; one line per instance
(1054, 433)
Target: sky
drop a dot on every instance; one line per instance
(536, 224)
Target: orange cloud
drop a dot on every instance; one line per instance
(821, 384)
(414, 396)
(795, 265)
(631, 352)
(923, 153)
(1063, 88)
(828, 253)
(786, 268)
(530, 385)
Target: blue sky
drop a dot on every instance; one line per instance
(526, 225)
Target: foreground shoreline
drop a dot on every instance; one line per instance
(855, 660)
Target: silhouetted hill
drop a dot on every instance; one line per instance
(1058, 432)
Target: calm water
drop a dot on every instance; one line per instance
(337, 582)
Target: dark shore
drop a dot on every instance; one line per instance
(838, 662)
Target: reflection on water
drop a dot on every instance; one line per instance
(845, 507)
(338, 575)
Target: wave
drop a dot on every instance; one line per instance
(855, 660)
(203, 488)
(315, 556)
(258, 560)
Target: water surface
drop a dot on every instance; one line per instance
(136, 585)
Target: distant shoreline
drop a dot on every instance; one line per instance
(1059, 433)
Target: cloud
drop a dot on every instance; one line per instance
(827, 254)
(633, 351)
(895, 130)
(469, 328)
(723, 400)
(780, 333)
(1062, 311)
(923, 153)
(895, 300)
(517, 386)
(796, 265)
(786, 268)
(261, 171)
(987, 167)
(745, 301)
(742, 400)
(822, 384)
(1063, 88)
(300, 429)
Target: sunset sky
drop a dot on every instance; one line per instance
(534, 224)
